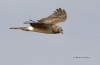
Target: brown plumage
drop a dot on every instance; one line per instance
(47, 25)
(58, 16)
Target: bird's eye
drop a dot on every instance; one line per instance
(60, 29)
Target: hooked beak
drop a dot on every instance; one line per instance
(62, 32)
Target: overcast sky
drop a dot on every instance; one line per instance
(81, 33)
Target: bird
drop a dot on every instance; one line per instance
(47, 25)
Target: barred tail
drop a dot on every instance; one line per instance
(16, 28)
(20, 28)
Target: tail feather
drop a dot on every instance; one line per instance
(16, 28)
(20, 28)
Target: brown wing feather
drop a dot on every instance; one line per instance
(58, 16)
(41, 25)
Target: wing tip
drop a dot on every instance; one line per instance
(11, 28)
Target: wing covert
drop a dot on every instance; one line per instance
(59, 15)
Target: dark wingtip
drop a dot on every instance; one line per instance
(10, 28)
(27, 22)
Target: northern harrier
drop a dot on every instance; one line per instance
(46, 25)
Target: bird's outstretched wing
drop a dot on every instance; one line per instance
(41, 25)
(59, 15)
(38, 25)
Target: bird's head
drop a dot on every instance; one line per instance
(58, 29)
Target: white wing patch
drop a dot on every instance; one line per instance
(30, 28)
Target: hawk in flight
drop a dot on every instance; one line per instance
(46, 25)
